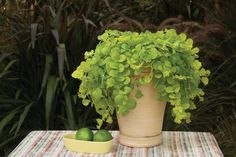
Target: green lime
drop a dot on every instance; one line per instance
(84, 134)
(102, 135)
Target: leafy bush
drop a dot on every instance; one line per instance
(108, 74)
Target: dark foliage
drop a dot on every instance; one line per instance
(42, 42)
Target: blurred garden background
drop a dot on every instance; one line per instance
(43, 41)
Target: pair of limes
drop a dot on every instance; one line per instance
(86, 134)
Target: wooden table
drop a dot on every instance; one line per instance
(175, 144)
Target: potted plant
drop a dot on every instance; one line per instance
(135, 74)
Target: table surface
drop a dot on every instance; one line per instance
(175, 144)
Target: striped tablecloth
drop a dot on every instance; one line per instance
(175, 144)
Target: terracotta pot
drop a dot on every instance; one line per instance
(142, 126)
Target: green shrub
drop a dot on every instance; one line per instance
(168, 59)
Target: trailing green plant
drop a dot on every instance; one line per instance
(169, 60)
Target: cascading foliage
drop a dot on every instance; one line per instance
(169, 60)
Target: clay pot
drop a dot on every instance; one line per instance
(142, 126)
